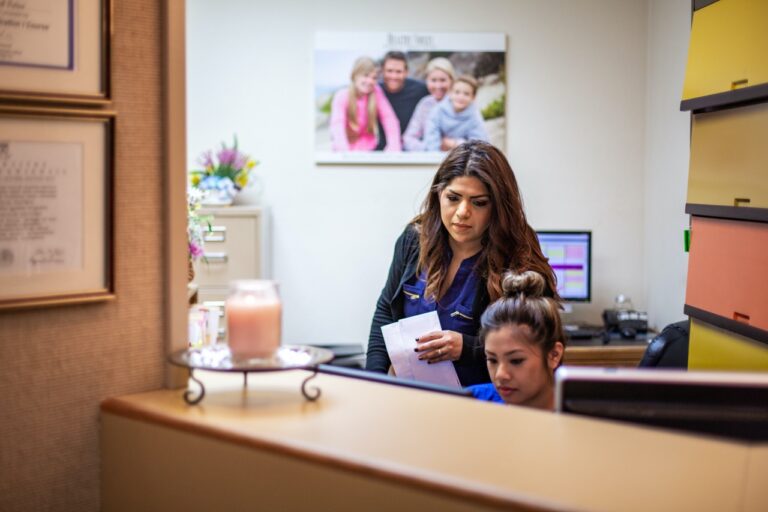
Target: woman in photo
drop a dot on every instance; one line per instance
(356, 109)
(450, 259)
(524, 343)
(456, 118)
(440, 75)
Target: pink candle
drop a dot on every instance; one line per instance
(253, 319)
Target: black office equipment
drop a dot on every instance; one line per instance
(669, 349)
(393, 381)
(724, 404)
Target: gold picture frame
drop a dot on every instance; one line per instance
(56, 52)
(56, 206)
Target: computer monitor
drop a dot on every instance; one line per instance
(726, 404)
(570, 256)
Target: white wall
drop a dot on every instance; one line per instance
(576, 139)
(666, 160)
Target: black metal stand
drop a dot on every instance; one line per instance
(189, 395)
(218, 358)
(310, 393)
(314, 392)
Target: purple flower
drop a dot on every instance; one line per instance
(195, 250)
(240, 160)
(226, 156)
(206, 158)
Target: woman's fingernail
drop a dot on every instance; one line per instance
(429, 362)
(416, 349)
(417, 339)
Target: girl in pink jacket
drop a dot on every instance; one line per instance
(356, 110)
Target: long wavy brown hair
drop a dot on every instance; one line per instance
(509, 243)
(362, 66)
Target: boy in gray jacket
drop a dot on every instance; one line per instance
(456, 118)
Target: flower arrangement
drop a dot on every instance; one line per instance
(196, 224)
(224, 174)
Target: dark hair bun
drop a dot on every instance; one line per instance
(528, 283)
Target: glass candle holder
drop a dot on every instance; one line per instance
(253, 319)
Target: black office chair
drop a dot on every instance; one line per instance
(669, 349)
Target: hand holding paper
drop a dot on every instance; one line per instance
(400, 339)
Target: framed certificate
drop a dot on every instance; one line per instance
(56, 175)
(55, 51)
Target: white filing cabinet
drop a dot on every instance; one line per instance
(236, 247)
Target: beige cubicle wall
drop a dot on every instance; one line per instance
(371, 446)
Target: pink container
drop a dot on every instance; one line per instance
(253, 319)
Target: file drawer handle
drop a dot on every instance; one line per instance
(741, 201)
(738, 84)
(215, 304)
(215, 234)
(741, 317)
(215, 257)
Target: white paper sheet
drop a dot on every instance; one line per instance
(41, 207)
(400, 339)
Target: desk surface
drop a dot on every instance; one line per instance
(494, 454)
(595, 352)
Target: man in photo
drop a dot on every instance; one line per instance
(402, 92)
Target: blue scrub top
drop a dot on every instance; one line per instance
(455, 307)
(486, 392)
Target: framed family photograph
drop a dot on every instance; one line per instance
(56, 206)
(406, 97)
(55, 51)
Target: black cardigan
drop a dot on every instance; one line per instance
(470, 367)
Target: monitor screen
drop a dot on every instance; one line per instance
(570, 256)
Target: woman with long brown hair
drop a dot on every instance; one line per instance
(451, 258)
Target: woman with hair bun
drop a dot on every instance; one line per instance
(524, 343)
(451, 257)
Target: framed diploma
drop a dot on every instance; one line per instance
(56, 169)
(55, 50)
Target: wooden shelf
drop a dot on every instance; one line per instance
(728, 212)
(729, 99)
(728, 324)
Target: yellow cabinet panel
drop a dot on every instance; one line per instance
(718, 52)
(712, 348)
(729, 157)
(758, 42)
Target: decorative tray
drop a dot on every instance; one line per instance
(219, 358)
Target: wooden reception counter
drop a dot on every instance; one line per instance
(368, 446)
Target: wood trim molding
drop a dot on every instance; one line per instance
(728, 99)
(613, 356)
(722, 322)
(727, 212)
(175, 185)
(700, 4)
(421, 480)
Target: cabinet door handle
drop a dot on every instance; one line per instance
(741, 201)
(215, 257)
(741, 317)
(215, 304)
(215, 234)
(738, 84)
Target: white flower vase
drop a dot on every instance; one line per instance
(217, 191)
(218, 198)
(251, 193)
